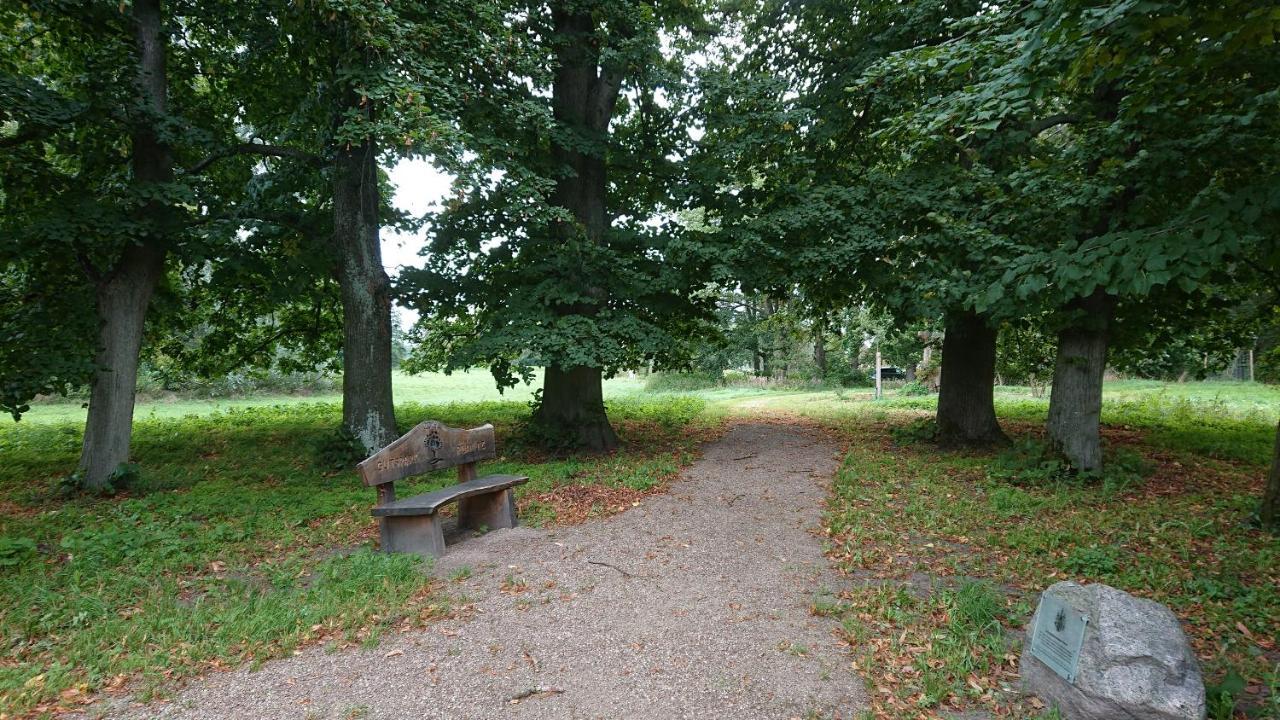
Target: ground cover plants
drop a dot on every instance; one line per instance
(244, 534)
(946, 552)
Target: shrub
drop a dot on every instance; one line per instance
(1093, 561)
(913, 388)
(916, 431)
(682, 382)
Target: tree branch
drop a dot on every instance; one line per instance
(22, 137)
(255, 149)
(1052, 121)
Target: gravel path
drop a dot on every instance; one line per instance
(692, 605)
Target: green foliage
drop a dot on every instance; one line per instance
(1025, 354)
(118, 480)
(914, 388)
(1092, 561)
(1221, 696)
(16, 551)
(916, 431)
(156, 380)
(1030, 462)
(685, 382)
(522, 271)
(73, 205)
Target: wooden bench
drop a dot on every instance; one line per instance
(411, 525)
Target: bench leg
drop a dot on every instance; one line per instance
(492, 510)
(421, 534)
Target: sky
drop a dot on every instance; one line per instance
(419, 189)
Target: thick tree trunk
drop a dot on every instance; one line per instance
(966, 403)
(1269, 513)
(122, 311)
(583, 99)
(125, 291)
(367, 410)
(573, 411)
(1075, 402)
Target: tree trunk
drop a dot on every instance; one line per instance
(572, 409)
(583, 98)
(1269, 513)
(367, 410)
(966, 403)
(1075, 402)
(122, 311)
(125, 291)
(820, 352)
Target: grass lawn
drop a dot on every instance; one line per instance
(427, 389)
(946, 552)
(243, 536)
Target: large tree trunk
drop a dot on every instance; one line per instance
(966, 403)
(122, 311)
(367, 410)
(573, 409)
(1075, 403)
(1269, 513)
(125, 291)
(583, 98)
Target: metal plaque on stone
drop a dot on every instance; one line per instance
(1058, 636)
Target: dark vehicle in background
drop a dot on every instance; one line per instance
(889, 373)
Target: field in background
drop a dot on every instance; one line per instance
(429, 388)
(1237, 399)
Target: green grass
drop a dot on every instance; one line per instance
(243, 536)
(1170, 521)
(427, 388)
(240, 539)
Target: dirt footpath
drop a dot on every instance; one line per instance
(695, 604)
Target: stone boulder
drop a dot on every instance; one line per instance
(1135, 662)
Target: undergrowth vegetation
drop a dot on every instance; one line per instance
(947, 551)
(243, 534)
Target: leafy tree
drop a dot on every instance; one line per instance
(807, 186)
(1137, 127)
(549, 254)
(101, 109)
(1025, 353)
(333, 91)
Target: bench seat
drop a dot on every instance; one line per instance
(429, 502)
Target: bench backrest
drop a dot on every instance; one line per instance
(429, 446)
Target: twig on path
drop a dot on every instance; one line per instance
(534, 691)
(734, 499)
(744, 457)
(610, 565)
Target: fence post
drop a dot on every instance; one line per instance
(878, 390)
